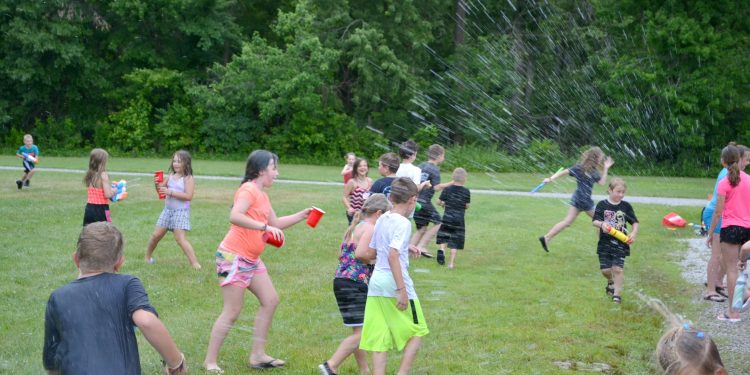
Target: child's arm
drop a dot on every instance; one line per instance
(442, 186)
(607, 163)
(718, 211)
(187, 195)
(347, 192)
(633, 233)
(157, 335)
(51, 340)
(364, 252)
(347, 169)
(395, 264)
(555, 176)
(106, 186)
(289, 220)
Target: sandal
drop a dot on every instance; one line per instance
(273, 363)
(610, 289)
(617, 299)
(714, 298)
(722, 291)
(724, 317)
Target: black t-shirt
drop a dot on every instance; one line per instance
(455, 198)
(430, 172)
(88, 326)
(585, 181)
(383, 186)
(618, 216)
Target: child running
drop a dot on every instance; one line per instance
(346, 172)
(238, 262)
(456, 199)
(614, 212)
(350, 281)
(98, 188)
(387, 166)
(89, 325)
(586, 173)
(393, 314)
(29, 153)
(733, 207)
(428, 214)
(357, 189)
(175, 217)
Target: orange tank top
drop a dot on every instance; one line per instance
(96, 196)
(244, 241)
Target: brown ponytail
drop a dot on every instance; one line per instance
(731, 155)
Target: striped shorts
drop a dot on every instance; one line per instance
(174, 219)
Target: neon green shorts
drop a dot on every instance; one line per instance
(386, 326)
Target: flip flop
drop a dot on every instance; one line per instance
(267, 365)
(714, 298)
(724, 317)
(722, 291)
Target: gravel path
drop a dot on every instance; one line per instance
(733, 339)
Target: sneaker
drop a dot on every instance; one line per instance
(19, 183)
(26, 183)
(610, 289)
(325, 369)
(441, 257)
(617, 299)
(544, 243)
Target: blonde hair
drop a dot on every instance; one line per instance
(97, 164)
(27, 136)
(99, 247)
(376, 202)
(459, 175)
(615, 182)
(591, 159)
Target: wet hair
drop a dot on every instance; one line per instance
(615, 182)
(187, 162)
(355, 167)
(97, 164)
(257, 162)
(435, 151)
(592, 159)
(402, 189)
(390, 161)
(407, 149)
(684, 350)
(731, 155)
(376, 202)
(100, 246)
(459, 175)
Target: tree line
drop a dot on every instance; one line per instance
(661, 84)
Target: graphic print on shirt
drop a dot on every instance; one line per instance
(616, 219)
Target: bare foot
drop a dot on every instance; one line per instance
(196, 266)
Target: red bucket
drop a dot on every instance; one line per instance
(673, 220)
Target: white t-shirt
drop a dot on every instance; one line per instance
(392, 230)
(411, 171)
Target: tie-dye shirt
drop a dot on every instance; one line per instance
(350, 267)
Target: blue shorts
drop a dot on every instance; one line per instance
(707, 214)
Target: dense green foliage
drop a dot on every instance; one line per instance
(662, 85)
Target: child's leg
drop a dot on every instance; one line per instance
(410, 352)
(428, 235)
(607, 273)
(234, 299)
(730, 255)
(714, 269)
(417, 236)
(348, 346)
(158, 234)
(557, 228)
(262, 288)
(617, 277)
(187, 248)
(27, 176)
(453, 258)
(379, 362)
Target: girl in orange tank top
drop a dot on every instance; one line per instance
(98, 188)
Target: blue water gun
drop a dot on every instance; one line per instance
(121, 191)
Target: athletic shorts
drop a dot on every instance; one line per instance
(735, 235)
(707, 214)
(582, 204)
(96, 212)
(174, 219)
(428, 214)
(28, 166)
(387, 327)
(237, 270)
(351, 297)
(452, 235)
(611, 258)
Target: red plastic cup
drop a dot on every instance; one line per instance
(314, 217)
(269, 239)
(159, 175)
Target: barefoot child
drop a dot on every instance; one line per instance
(586, 172)
(238, 262)
(350, 281)
(456, 199)
(89, 323)
(175, 217)
(98, 188)
(29, 153)
(393, 315)
(614, 212)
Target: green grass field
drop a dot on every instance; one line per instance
(507, 308)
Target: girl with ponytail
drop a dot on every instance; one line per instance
(733, 207)
(350, 281)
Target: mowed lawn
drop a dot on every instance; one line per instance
(507, 308)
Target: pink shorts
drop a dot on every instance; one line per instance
(237, 270)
